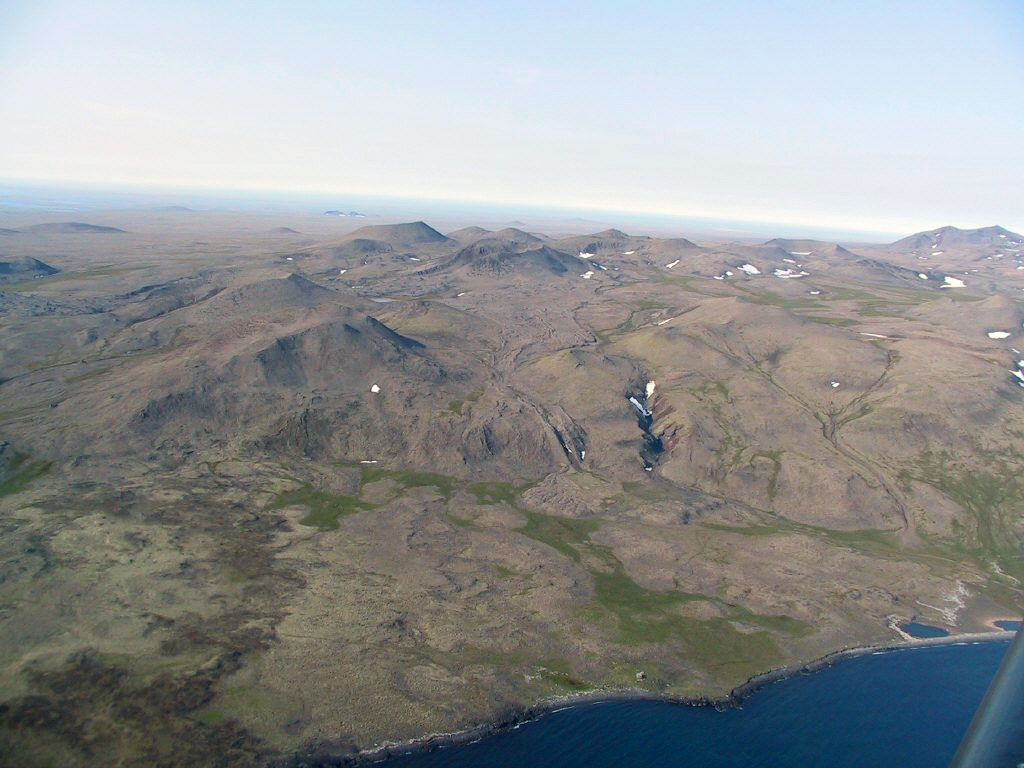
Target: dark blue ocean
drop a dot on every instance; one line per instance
(905, 709)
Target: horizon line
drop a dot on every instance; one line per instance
(749, 224)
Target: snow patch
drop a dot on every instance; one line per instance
(750, 269)
(953, 282)
(922, 275)
(874, 335)
(342, 271)
(375, 389)
(650, 388)
(937, 253)
(834, 384)
(801, 253)
(814, 293)
(413, 258)
(587, 275)
(628, 253)
(665, 321)
(999, 334)
(669, 266)
(368, 461)
(584, 255)
(786, 274)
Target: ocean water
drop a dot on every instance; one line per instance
(906, 708)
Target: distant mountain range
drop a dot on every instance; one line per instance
(73, 228)
(951, 237)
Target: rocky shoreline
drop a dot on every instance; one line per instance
(735, 698)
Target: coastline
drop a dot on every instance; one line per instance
(735, 698)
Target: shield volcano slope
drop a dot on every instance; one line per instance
(492, 256)
(288, 367)
(406, 235)
(380, 246)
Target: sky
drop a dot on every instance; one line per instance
(876, 116)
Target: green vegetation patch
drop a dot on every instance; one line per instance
(645, 304)
(777, 623)
(712, 387)
(455, 406)
(488, 657)
(871, 540)
(746, 530)
(649, 616)
(773, 482)
(460, 522)
(636, 615)
(325, 509)
(842, 322)
(408, 478)
(23, 470)
(651, 490)
(767, 298)
(567, 535)
(717, 645)
(497, 492)
(642, 615)
(860, 413)
(86, 375)
(993, 498)
(559, 672)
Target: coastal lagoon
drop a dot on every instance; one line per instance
(906, 708)
(917, 630)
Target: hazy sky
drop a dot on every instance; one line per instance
(886, 116)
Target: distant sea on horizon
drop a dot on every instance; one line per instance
(69, 197)
(906, 708)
